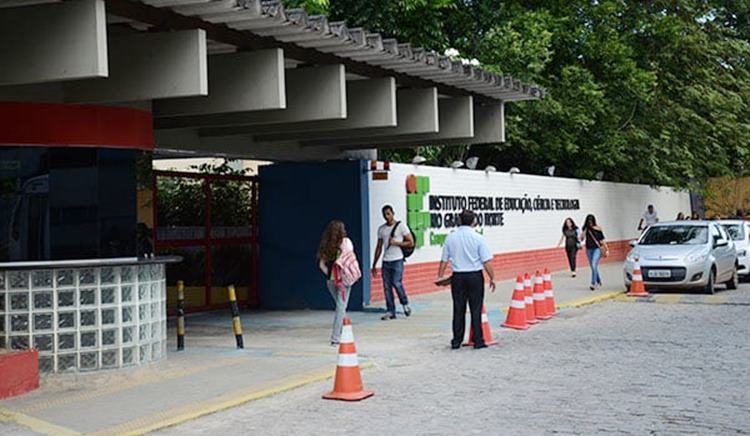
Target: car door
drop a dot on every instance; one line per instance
(725, 256)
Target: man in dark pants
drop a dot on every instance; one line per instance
(469, 255)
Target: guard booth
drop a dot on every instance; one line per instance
(207, 78)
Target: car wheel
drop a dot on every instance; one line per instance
(732, 283)
(710, 287)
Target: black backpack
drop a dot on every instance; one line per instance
(410, 250)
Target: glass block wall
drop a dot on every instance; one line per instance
(83, 319)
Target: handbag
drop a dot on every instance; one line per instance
(602, 246)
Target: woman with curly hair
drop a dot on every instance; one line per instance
(332, 244)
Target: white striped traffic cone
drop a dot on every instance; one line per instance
(486, 333)
(348, 383)
(517, 311)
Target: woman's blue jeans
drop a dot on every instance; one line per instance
(594, 255)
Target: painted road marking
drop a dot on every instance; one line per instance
(716, 299)
(668, 299)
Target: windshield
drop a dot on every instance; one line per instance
(735, 231)
(675, 235)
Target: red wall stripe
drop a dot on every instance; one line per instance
(68, 125)
(419, 278)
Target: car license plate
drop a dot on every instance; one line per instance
(659, 273)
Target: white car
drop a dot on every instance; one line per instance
(739, 232)
(684, 254)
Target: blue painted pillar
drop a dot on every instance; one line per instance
(296, 202)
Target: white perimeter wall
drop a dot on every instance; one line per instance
(617, 207)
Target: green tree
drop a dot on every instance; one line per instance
(316, 7)
(652, 92)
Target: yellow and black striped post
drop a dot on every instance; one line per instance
(236, 325)
(180, 315)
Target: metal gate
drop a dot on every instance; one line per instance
(210, 220)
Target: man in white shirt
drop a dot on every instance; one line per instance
(393, 235)
(469, 255)
(649, 218)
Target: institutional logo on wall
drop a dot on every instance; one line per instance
(417, 218)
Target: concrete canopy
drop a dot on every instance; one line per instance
(250, 77)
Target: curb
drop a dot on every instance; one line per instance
(582, 301)
(35, 424)
(590, 300)
(199, 409)
(184, 414)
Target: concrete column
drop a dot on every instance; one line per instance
(313, 94)
(53, 42)
(146, 66)
(243, 81)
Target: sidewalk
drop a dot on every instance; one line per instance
(284, 350)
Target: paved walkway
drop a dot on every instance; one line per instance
(608, 369)
(284, 350)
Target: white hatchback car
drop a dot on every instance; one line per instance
(684, 254)
(739, 232)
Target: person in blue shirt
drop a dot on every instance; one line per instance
(468, 254)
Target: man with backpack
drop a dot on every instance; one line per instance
(399, 243)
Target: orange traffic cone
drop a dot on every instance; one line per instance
(348, 383)
(637, 288)
(517, 311)
(540, 306)
(529, 300)
(486, 333)
(549, 296)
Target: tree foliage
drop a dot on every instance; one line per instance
(182, 200)
(652, 92)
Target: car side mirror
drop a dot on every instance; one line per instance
(719, 242)
(633, 243)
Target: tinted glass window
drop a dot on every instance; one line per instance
(66, 203)
(74, 216)
(24, 203)
(675, 235)
(736, 231)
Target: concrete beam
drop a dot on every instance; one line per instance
(243, 81)
(313, 94)
(489, 124)
(53, 42)
(41, 93)
(489, 128)
(417, 112)
(146, 66)
(369, 104)
(238, 146)
(456, 120)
